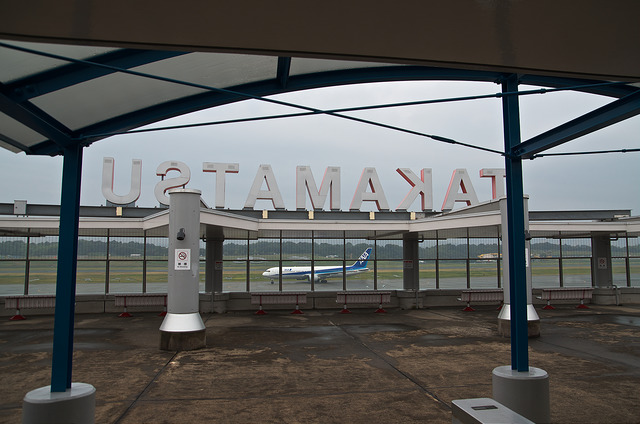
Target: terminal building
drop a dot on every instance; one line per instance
(423, 258)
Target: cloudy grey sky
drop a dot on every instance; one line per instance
(554, 183)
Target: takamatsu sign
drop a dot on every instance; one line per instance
(369, 188)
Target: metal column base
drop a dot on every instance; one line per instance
(526, 393)
(182, 332)
(76, 405)
(188, 340)
(504, 321)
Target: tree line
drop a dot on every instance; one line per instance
(98, 249)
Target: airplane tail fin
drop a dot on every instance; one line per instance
(362, 260)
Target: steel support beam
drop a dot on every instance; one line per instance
(515, 229)
(35, 119)
(609, 114)
(61, 363)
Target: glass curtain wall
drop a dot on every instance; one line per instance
(576, 262)
(234, 265)
(546, 260)
(428, 255)
(634, 261)
(42, 265)
(365, 280)
(389, 265)
(484, 262)
(263, 254)
(453, 263)
(134, 264)
(328, 252)
(91, 274)
(14, 265)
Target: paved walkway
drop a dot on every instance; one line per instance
(324, 367)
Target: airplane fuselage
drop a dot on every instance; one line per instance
(320, 273)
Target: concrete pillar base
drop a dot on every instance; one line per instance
(76, 405)
(504, 322)
(184, 340)
(526, 393)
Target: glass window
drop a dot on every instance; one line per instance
(619, 269)
(634, 271)
(545, 248)
(13, 247)
(234, 275)
(90, 277)
(125, 277)
(454, 248)
(264, 249)
(126, 248)
(328, 249)
(363, 280)
(92, 248)
(389, 277)
(576, 272)
(483, 273)
(428, 249)
(331, 283)
(452, 274)
(203, 275)
(12, 277)
(42, 277)
(634, 246)
(427, 274)
(484, 248)
(157, 248)
(43, 247)
(355, 247)
(545, 273)
(157, 276)
(258, 282)
(235, 250)
(579, 247)
(388, 249)
(619, 248)
(296, 249)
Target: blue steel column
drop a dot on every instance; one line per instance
(515, 228)
(67, 265)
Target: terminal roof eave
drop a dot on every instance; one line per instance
(582, 229)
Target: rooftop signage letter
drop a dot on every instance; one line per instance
(164, 185)
(497, 176)
(369, 188)
(330, 186)
(220, 169)
(369, 178)
(107, 182)
(264, 174)
(422, 186)
(459, 180)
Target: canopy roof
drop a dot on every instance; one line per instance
(94, 83)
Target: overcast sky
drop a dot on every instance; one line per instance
(607, 181)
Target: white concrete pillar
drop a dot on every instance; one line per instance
(182, 328)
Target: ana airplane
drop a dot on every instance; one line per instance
(321, 273)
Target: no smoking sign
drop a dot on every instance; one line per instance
(183, 259)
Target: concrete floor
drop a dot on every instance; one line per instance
(399, 367)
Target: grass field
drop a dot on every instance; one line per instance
(41, 272)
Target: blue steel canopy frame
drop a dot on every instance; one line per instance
(515, 228)
(15, 102)
(15, 96)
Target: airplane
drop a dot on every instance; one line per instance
(321, 273)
